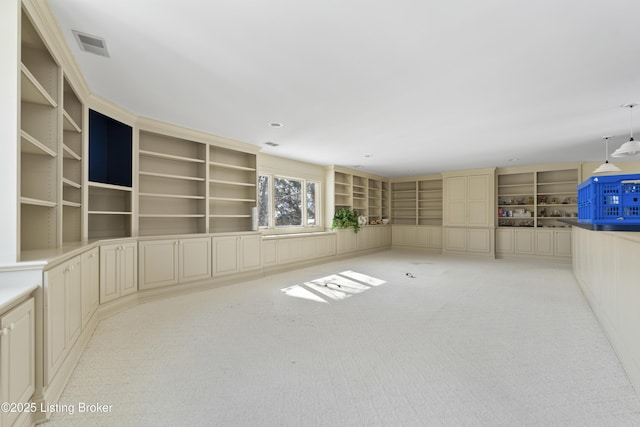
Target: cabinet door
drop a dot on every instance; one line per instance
(544, 242)
(73, 300)
(250, 249)
(109, 276)
(17, 358)
(423, 235)
(347, 241)
(270, 252)
(158, 260)
(455, 192)
(455, 239)
(563, 243)
(479, 240)
(90, 284)
(55, 342)
(435, 238)
(364, 239)
(128, 269)
(195, 259)
(479, 198)
(225, 255)
(524, 241)
(504, 241)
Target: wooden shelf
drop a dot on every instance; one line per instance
(109, 213)
(68, 182)
(69, 124)
(170, 176)
(71, 204)
(169, 156)
(109, 186)
(171, 196)
(230, 166)
(37, 202)
(32, 91)
(245, 184)
(171, 215)
(68, 153)
(31, 145)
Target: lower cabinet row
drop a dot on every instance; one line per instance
(537, 242)
(173, 261)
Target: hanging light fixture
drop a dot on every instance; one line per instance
(631, 147)
(606, 167)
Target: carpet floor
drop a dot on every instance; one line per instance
(396, 338)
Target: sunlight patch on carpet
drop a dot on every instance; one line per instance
(335, 287)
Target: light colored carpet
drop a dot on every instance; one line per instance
(465, 342)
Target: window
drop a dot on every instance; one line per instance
(287, 202)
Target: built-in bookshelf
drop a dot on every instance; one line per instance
(343, 188)
(417, 201)
(172, 185)
(72, 161)
(404, 202)
(430, 202)
(556, 196)
(537, 198)
(516, 199)
(39, 142)
(110, 186)
(232, 189)
(366, 194)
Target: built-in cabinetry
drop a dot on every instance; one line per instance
(172, 261)
(172, 190)
(236, 254)
(417, 201)
(17, 361)
(366, 194)
(232, 190)
(90, 261)
(531, 200)
(368, 238)
(118, 270)
(72, 164)
(285, 249)
(468, 223)
(417, 236)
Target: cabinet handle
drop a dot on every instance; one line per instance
(12, 326)
(5, 331)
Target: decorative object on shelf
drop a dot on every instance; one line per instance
(363, 220)
(631, 147)
(346, 218)
(385, 221)
(606, 167)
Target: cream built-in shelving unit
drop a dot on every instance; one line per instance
(110, 211)
(172, 185)
(364, 193)
(40, 135)
(417, 201)
(232, 189)
(72, 165)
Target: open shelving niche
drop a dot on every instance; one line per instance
(537, 198)
(40, 133)
(232, 189)
(417, 201)
(172, 185)
(72, 164)
(109, 210)
(363, 193)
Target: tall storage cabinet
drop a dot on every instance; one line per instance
(468, 223)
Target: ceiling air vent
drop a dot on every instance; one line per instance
(92, 44)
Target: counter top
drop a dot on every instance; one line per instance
(10, 293)
(601, 227)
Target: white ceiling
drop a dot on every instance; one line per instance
(418, 86)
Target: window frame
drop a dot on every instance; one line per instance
(304, 227)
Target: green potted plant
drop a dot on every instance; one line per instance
(345, 218)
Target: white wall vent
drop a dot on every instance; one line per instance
(92, 44)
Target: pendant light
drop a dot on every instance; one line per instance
(606, 167)
(631, 147)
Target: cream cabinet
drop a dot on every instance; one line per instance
(300, 248)
(17, 359)
(419, 236)
(368, 238)
(173, 261)
(529, 242)
(468, 223)
(90, 262)
(62, 312)
(347, 241)
(118, 271)
(233, 254)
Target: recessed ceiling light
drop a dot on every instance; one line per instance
(368, 155)
(275, 125)
(513, 159)
(357, 166)
(271, 144)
